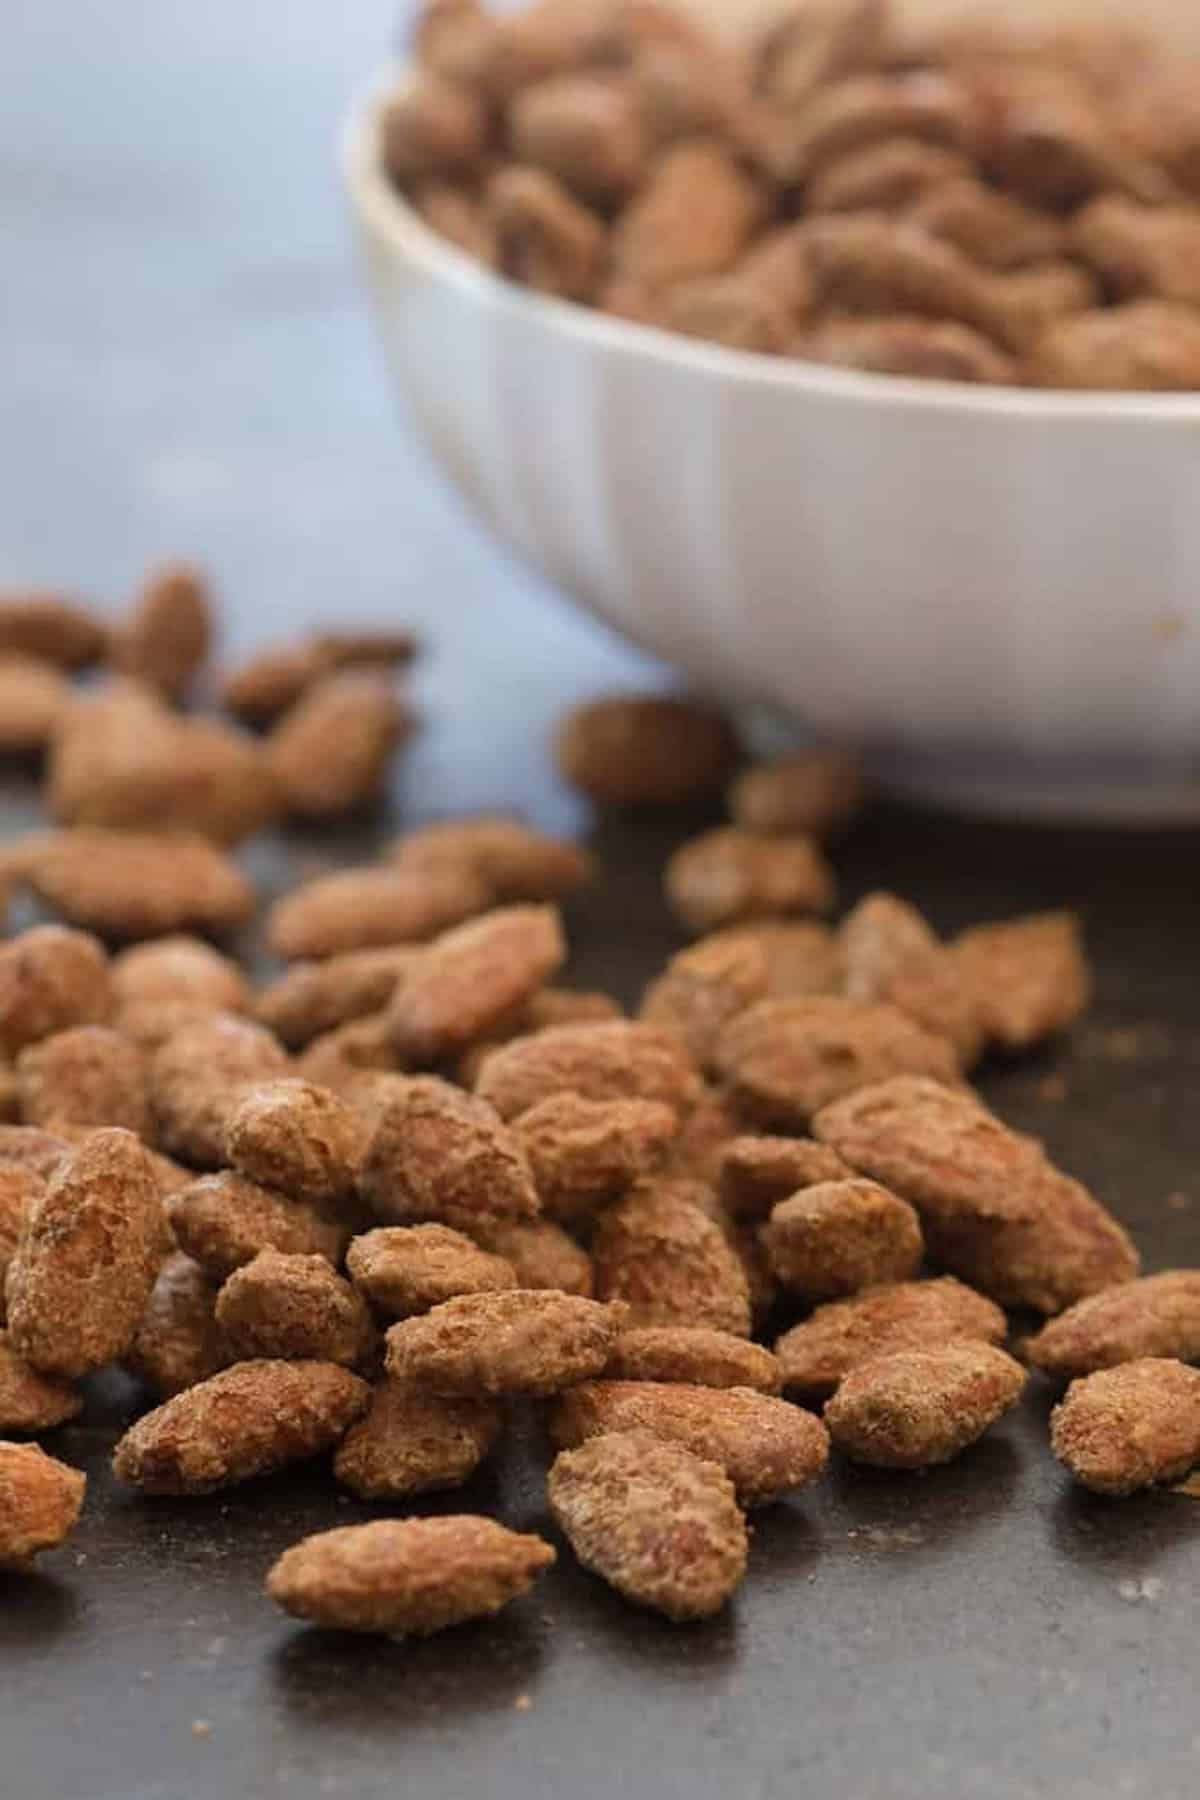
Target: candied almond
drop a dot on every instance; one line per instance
(248, 1420)
(514, 862)
(312, 998)
(540, 1253)
(1142, 346)
(24, 1147)
(524, 1341)
(669, 1262)
(166, 638)
(694, 215)
(617, 1059)
(702, 989)
(809, 46)
(890, 953)
(890, 174)
(756, 1173)
(52, 628)
(452, 210)
(82, 1079)
(905, 344)
(993, 1208)
(294, 1307)
(198, 1076)
(178, 969)
(766, 1446)
(694, 1354)
(587, 129)
(470, 977)
(349, 1056)
(408, 1442)
(993, 228)
(330, 751)
(803, 955)
(814, 792)
(729, 875)
(20, 1189)
(87, 1258)
(585, 1153)
(223, 1221)
(920, 1407)
(436, 1153)
(1157, 1316)
(50, 978)
(295, 1136)
(371, 908)
(432, 127)
(816, 1356)
(128, 884)
(407, 1269)
(406, 1577)
(40, 1500)
(30, 1401)
(544, 238)
(645, 749)
(1029, 976)
(178, 1341)
(661, 1526)
(696, 1153)
(839, 1237)
(786, 1059)
(34, 695)
(1131, 1426)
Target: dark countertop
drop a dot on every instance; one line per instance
(186, 368)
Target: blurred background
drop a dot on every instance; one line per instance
(187, 368)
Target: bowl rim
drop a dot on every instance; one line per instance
(401, 226)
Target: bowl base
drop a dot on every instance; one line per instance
(1132, 794)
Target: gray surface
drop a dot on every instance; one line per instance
(186, 367)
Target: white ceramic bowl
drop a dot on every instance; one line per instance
(995, 591)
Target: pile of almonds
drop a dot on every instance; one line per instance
(365, 1209)
(973, 204)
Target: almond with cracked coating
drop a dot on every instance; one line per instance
(818, 1354)
(407, 1577)
(786, 1059)
(178, 1341)
(661, 1526)
(410, 1442)
(87, 1259)
(299, 1138)
(408, 1269)
(766, 1446)
(436, 1153)
(1156, 1316)
(471, 978)
(586, 1153)
(50, 979)
(20, 1190)
(523, 1342)
(841, 1236)
(672, 1265)
(249, 1420)
(199, 1075)
(30, 1401)
(223, 1221)
(695, 1354)
(296, 1308)
(612, 1059)
(922, 1407)
(890, 953)
(40, 1501)
(1129, 1427)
